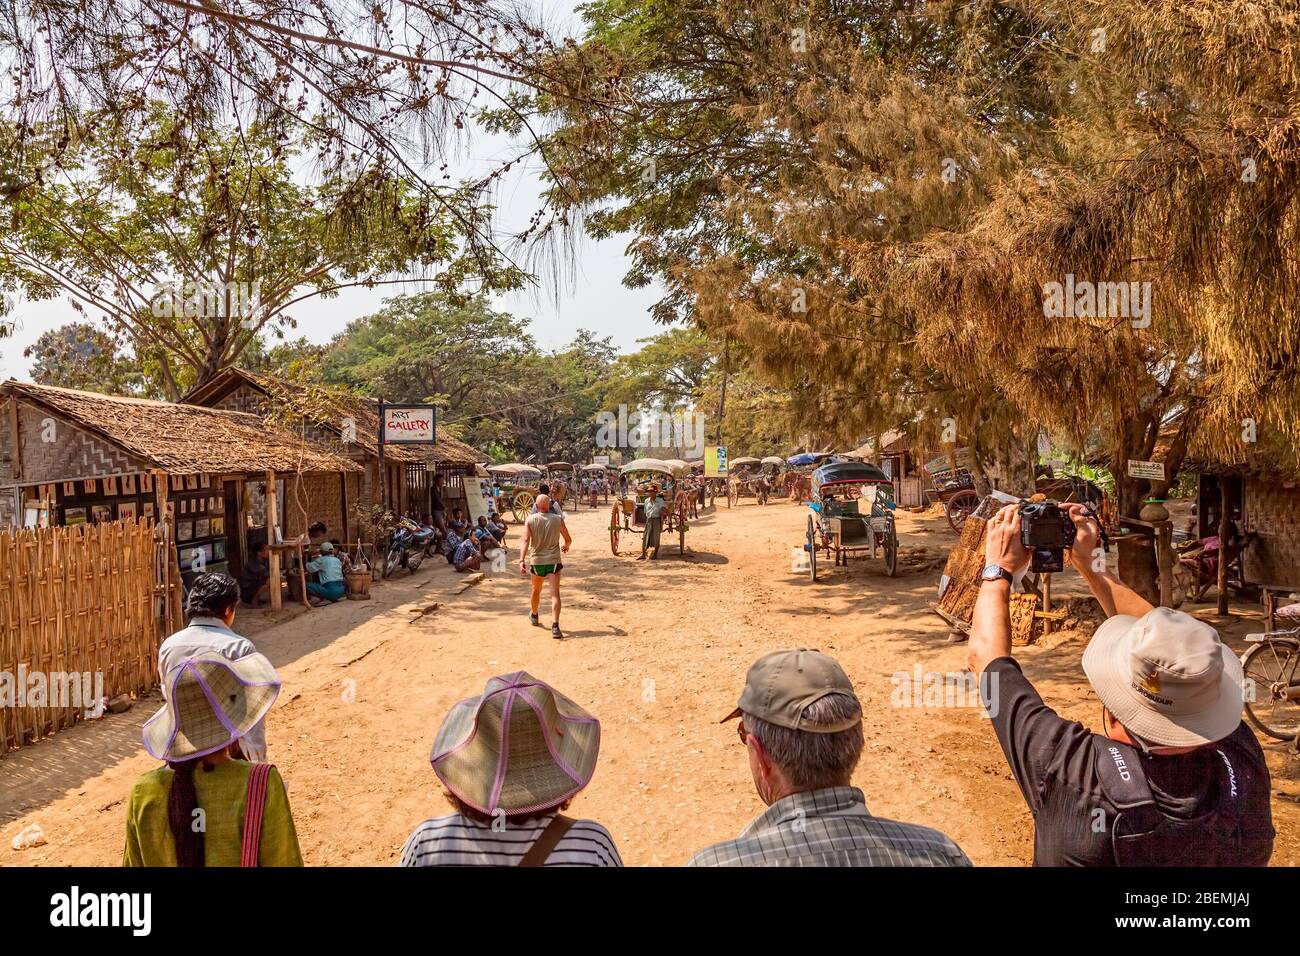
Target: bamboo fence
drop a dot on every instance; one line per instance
(88, 598)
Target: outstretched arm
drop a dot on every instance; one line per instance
(1088, 558)
(990, 631)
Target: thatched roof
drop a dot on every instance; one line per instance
(182, 439)
(328, 408)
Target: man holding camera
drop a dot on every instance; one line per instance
(1175, 777)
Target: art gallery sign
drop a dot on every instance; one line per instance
(407, 424)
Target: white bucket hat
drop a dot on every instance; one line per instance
(1166, 677)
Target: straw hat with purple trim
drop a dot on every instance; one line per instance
(520, 747)
(212, 701)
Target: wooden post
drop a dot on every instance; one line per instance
(271, 514)
(167, 523)
(1165, 555)
(343, 496)
(1047, 602)
(1224, 515)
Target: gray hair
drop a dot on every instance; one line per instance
(808, 759)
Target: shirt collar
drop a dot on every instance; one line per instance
(217, 623)
(828, 801)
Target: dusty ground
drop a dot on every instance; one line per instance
(657, 650)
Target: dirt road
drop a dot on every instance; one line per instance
(657, 650)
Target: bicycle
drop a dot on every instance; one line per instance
(1272, 676)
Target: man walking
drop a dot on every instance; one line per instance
(542, 552)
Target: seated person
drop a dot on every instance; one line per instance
(467, 556)
(450, 542)
(328, 569)
(316, 534)
(486, 530)
(458, 523)
(255, 576)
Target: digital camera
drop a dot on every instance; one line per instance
(1047, 531)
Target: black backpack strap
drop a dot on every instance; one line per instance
(1124, 782)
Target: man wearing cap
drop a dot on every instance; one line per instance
(801, 724)
(1175, 777)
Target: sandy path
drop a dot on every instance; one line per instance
(657, 650)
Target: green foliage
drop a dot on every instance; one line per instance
(142, 211)
(84, 356)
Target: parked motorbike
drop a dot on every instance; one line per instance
(406, 547)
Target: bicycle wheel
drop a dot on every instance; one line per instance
(1271, 669)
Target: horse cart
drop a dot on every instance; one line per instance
(838, 527)
(954, 488)
(745, 479)
(518, 488)
(627, 517)
(562, 478)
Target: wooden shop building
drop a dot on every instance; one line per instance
(69, 457)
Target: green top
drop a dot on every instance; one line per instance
(222, 793)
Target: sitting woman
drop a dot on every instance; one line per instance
(511, 760)
(212, 702)
(328, 569)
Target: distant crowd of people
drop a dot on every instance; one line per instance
(1174, 777)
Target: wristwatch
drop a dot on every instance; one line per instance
(994, 572)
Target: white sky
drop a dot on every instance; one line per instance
(592, 298)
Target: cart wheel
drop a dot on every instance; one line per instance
(613, 530)
(1271, 667)
(812, 550)
(959, 506)
(891, 550)
(521, 504)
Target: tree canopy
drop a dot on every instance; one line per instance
(874, 197)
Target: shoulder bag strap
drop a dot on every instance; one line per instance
(254, 809)
(542, 847)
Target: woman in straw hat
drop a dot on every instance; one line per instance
(205, 808)
(511, 760)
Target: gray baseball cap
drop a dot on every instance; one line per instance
(780, 685)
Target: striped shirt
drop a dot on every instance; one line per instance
(831, 827)
(459, 841)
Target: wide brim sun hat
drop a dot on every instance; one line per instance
(212, 702)
(520, 747)
(1166, 677)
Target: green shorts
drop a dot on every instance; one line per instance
(542, 570)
